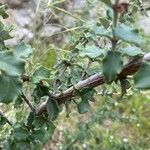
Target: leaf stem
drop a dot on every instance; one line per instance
(115, 17)
(28, 102)
(115, 22)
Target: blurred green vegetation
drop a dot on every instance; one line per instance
(110, 125)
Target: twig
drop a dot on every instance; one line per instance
(28, 102)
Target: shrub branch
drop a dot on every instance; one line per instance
(93, 81)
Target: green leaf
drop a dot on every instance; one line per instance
(40, 91)
(86, 94)
(83, 107)
(21, 133)
(125, 84)
(36, 146)
(22, 145)
(52, 109)
(3, 121)
(128, 34)
(107, 2)
(110, 13)
(30, 120)
(18, 101)
(112, 65)
(92, 52)
(38, 135)
(10, 88)
(6, 144)
(39, 121)
(39, 74)
(49, 58)
(3, 12)
(43, 122)
(51, 128)
(105, 22)
(142, 77)
(4, 33)
(80, 46)
(49, 132)
(22, 50)
(11, 65)
(4, 36)
(99, 30)
(131, 51)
